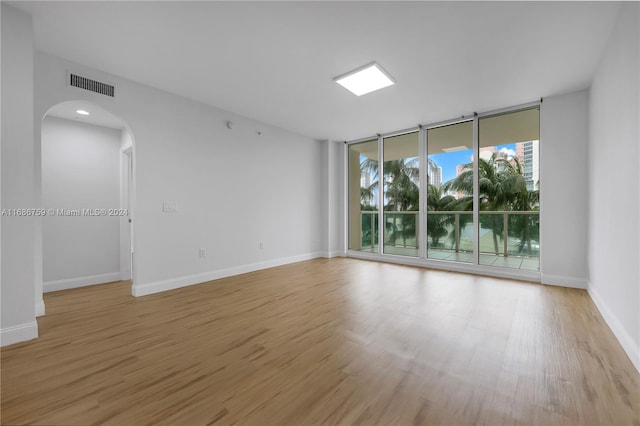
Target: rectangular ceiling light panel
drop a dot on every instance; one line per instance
(365, 80)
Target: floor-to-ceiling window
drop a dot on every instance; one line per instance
(464, 191)
(401, 197)
(363, 196)
(450, 192)
(508, 177)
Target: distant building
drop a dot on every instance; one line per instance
(528, 154)
(459, 194)
(487, 151)
(365, 182)
(435, 175)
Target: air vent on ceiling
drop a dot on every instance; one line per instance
(91, 85)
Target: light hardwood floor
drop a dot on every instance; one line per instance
(339, 341)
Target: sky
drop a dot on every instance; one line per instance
(449, 160)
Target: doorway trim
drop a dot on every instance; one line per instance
(40, 113)
(126, 222)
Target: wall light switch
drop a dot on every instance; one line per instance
(169, 206)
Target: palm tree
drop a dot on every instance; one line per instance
(437, 201)
(525, 201)
(400, 177)
(402, 192)
(399, 184)
(436, 223)
(501, 187)
(367, 194)
(369, 233)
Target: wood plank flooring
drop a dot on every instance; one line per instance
(340, 341)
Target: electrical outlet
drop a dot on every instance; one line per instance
(202, 253)
(261, 245)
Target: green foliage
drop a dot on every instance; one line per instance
(401, 190)
(501, 188)
(369, 230)
(399, 185)
(437, 224)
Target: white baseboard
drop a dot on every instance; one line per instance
(449, 266)
(628, 344)
(338, 253)
(184, 281)
(66, 284)
(40, 308)
(563, 281)
(19, 333)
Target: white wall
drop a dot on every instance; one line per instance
(80, 170)
(335, 199)
(614, 228)
(233, 188)
(563, 190)
(17, 270)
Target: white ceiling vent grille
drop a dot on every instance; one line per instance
(91, 85)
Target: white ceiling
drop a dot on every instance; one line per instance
(97, 115)
(275, 61)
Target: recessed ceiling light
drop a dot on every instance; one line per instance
(365, 80)
(82, 112)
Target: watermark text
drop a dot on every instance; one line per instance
(65, 212)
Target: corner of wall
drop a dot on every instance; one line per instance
(614, 106)
(563, 281)
(336, 253)
(19, 333)
(626, 341)
(40, 308)
(76, 282)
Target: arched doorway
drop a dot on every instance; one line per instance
(88, 194)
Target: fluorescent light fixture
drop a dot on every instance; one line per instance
(455, 148)
(82, 112)
(365, 80)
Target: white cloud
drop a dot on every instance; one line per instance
(509, 152)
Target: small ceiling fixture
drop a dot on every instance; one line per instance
(82, 112)
(455, 148)
(366, 79)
